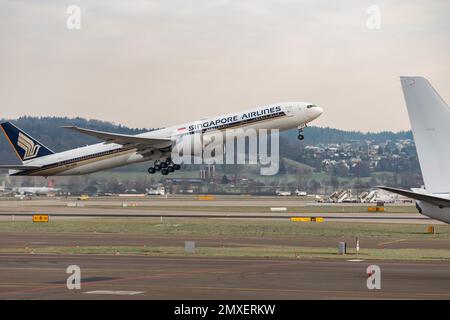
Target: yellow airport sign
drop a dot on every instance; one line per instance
(375, 209)
(40, 218)
(307, 219)
(206, 197)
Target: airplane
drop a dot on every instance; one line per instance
(120, 149)
(38, 191)
(430, 122)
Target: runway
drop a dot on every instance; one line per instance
(218, 274)
(139, 277)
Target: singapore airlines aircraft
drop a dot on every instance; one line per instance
(120, 149)
(430, 122)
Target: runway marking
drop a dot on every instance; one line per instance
(116, 292)
(391, 242)
(355, 260)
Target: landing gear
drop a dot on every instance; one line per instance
(165, 167)
(300, 132)
(156, 167)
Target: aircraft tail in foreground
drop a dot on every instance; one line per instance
(430, 122)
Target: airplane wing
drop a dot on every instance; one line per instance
(17, 167)
(438, 201)
(140, 143)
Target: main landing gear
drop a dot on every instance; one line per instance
(165, 167)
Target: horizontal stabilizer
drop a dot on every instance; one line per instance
(124, 139)
(18, 167)
(438, 201)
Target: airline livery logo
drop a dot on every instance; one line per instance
(31, 149)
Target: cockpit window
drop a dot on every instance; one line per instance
(309, 106)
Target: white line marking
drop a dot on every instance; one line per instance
(390, 242)
(355, 260)
(117, 292)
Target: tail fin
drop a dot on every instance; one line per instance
(26, 147)
(430, 122)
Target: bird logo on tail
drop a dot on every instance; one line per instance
(31, 149)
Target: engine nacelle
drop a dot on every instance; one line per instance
(198, 145)
(188, 145)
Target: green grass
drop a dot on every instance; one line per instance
(223, 227)
(230, 228)
(254, 252)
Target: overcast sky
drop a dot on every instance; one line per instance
(158, 63)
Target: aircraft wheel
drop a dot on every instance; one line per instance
(170, 168)
(176, 166)
(157, 167)
(164, 165)
(301, 136)
(151, 170)
(165, 172)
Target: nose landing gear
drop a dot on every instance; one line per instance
(300, 132)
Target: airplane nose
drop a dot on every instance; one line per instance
(316, 112)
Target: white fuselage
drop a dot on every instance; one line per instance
(35, 190)
(102, 156)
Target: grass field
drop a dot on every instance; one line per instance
(242, 228)
(224, 227)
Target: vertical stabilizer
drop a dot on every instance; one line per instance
(26, 147)
(430, 122)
